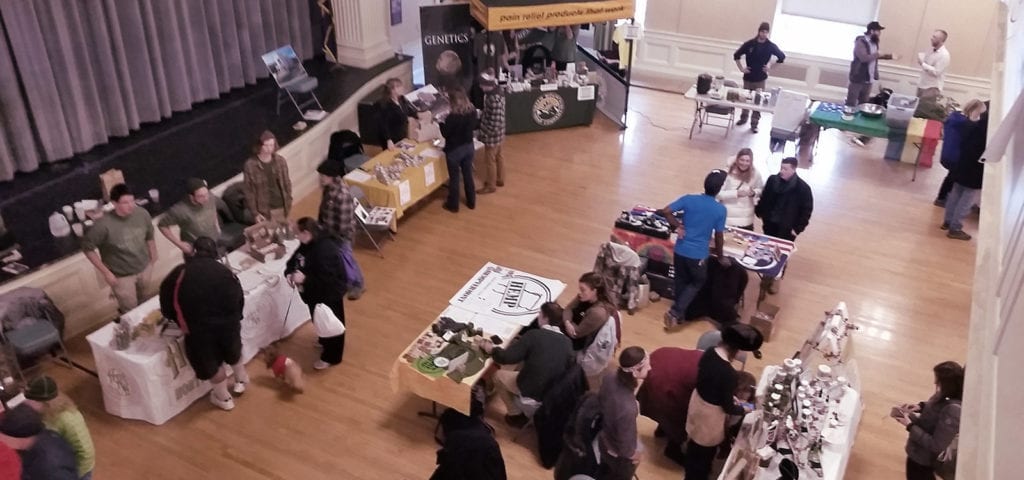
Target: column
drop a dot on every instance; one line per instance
(361, 32)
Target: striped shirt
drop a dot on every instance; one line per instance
(492, 123)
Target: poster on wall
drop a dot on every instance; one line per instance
(396, 12)
(447, 39)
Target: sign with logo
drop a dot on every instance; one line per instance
(502, 292)
(447, 40)
(548, 109)
(515, 14)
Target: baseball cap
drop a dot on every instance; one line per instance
(875, 26)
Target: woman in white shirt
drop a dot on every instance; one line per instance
(741, 190)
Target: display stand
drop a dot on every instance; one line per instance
(808, 412)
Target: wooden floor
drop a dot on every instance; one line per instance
(873, 242)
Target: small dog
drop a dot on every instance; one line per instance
(284, 368)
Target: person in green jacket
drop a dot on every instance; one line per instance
(61, 415)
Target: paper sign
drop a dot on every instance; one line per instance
(358, 176)
(428, 174)
(404, 192)
(502, 292)
(585, 93)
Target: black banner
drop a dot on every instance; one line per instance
(447, 39)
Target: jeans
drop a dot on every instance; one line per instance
(615, 468)
(460, 163)
(756, 115)
(945, 188)
(689, 277)
(958, 205)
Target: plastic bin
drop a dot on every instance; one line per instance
(900, 110)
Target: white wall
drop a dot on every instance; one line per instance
(994, 395)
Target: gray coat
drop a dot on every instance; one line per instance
(864, 67)
(933, 430)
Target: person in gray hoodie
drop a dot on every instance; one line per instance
(933, 424)
(864, 69)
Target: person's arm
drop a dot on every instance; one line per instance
(90, 241)
(153, 254)
(730, 191)
(939, 68)
(757, 184)
(249, 186)
(669, 213)
(806, 207)
(766, 198)
(96, 261)
(593, 320)
(863, 53)
(738, 54)
(515, 353)
(169, 219)
(945, 430)
(779, 55)
(719, 244)
(167, 293)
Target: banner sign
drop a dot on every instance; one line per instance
(515, 14)
(502, 292)
(447, 40)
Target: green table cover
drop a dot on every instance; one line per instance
(830, 115)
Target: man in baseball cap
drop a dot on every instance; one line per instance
(864, 69)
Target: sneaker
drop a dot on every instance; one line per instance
(501, 183)
(486, 190)
(355, 293)
(958, 235)
(939, 203)
(742, 121)
(238, 388)
(857, 141)
(944, 226)
(773, 287)
(517, 421)
(753, 129)
(226, 405)
(320, 365)
(450, 209)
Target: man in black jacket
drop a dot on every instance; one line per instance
(967, 176)
(785, 206)
(206, 300)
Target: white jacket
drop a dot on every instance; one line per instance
(740, 210)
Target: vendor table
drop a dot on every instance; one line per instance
(498, 300)
(703, 101)
(535, 110)
(152, 379)
(830, 115)
(416, 181)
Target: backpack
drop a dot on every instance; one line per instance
(596, 356)
(581, 429)
(945, 463)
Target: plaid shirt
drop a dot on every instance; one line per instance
(492, 124)
(337, 210)
(257, 191)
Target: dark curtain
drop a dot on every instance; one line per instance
(75, 72)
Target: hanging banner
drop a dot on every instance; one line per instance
(447, 40)
(513, 14)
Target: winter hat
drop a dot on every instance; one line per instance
(206, 247)
(330, 168)
(743, 337)
(764, 27)
(193, 184)
(41, 389)
(22, 421)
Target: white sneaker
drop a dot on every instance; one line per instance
(320, 365)
(238, 388)
(226, 405)
(857, 141)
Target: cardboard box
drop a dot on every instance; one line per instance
(764, 319)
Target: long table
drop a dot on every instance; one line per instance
(152, 379)
(498, 300)
(535, 110)
(703, 101)
(416, 182)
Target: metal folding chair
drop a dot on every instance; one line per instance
(31, 340)
(359, 198)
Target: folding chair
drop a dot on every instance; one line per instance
(30, 340)
(292, 79)
(359, 198)
(706, 112)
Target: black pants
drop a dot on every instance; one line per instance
(916, 471)
(774, 230)
(615, 468)
(945, 188)
(698, 461)
(334, 347)
(460, 163)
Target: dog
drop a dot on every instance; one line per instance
(284, 368)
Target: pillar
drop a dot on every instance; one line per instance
(361, 32)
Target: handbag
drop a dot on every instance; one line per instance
(326, 323)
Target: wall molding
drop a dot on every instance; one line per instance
(672, 61)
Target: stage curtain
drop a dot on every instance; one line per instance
(74, 73)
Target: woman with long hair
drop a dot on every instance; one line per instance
(933, 424)
(61, 415)
(619, 442)
(267, 184)
(457, 131)
(741, 190)
(317, 268)
(589, 311)
(395, 112)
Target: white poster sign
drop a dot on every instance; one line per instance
(506, 293)
(428, 174)
(404, 192)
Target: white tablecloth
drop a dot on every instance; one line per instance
(152, 379)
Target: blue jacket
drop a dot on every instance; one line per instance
(952, 134)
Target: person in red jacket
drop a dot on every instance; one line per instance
(665, 395)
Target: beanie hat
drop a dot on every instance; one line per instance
(331, 168)
(764, 27)
(193, 184)
(22, 421)
(743, 337)
(714, 181)
(205, 247)
(41, 389)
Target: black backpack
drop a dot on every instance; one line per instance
(578, 456)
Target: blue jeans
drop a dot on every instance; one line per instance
(460, 163)
(689, 277)
(958, 205)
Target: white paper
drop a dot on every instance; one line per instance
(505, 293)
(432, 152)
(428, 174)
(358, 176)
(585, 93)
(404, 192)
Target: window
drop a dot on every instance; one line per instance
(824, 28)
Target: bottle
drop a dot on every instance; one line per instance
(59, 226)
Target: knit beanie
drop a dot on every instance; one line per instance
(193, 184)
(764, 27)
(330, 168)
(41, 389)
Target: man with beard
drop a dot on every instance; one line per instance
(785, 206)
(864, 69)
(758, 52)
(933, 64)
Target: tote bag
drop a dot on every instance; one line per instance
(326, 323)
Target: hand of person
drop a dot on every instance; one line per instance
(911, 407)
(186, 248)
(637, 455)
(570, 329)
(260, 218)
(110, 278)
(746, 70)
(391, 145)
(485, 344)
(297, 278)
(903, 419)
(724, 261)
(767, 67)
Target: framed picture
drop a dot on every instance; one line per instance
(396, 12)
